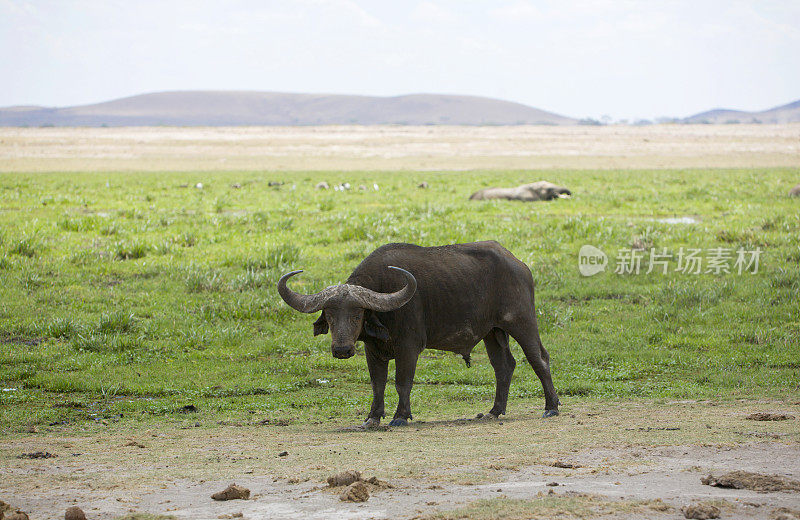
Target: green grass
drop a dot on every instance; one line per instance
(164, 296)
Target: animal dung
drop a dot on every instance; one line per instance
(344, 478)
(232, 492)
(74, 513)
(355, 492)
(701, 511)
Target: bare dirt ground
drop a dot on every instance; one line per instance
(639, 459)
(397, 148)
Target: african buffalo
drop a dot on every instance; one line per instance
(540, 190)
(404, 298)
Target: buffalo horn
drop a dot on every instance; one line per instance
(301, 302)
(385, 302)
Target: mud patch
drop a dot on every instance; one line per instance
(752, 481)
(767, 416)
(37, 455)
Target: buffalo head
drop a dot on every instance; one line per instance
(345, 309)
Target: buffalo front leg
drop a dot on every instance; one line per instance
(378, 370)
(405, 366)
(503, 363)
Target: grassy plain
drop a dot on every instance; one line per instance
(129, 294)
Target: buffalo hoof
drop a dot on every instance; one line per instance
(486, 417)
(397, 421)
(371, 424)
(549, 413)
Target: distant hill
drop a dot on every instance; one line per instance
(783, 114)
(224, 108)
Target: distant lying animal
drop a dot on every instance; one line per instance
(541, 190)
(795, 192)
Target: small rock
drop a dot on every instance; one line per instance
(355, 492)
(552, 484)
(701, 511)
(322, 186)
(283, 454)
(134, 444)
(74, 513)
(17, 515)
(232, 492)
(199, 185)
(344, 478)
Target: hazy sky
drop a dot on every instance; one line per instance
(579, 58)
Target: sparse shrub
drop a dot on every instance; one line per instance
(285, 224)
(785, 279)
(220, 204)
(250, 279)
(68, 224)
(25, 246)
(31, 280)
(117, 321)
(162, 248)
(130, 250)
(110, 229)
(352, 232)
(187, 239)
(284, 254)
(60, 328)
(203, 281)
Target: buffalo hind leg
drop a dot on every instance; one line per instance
(538, 357)
(378, 371)
(405, 366)
(503, 363)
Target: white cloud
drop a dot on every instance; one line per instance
(516, 12)
(430, 12)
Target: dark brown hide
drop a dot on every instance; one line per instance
(465, 293)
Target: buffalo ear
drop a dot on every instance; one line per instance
(321, 325)
(373, 327)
